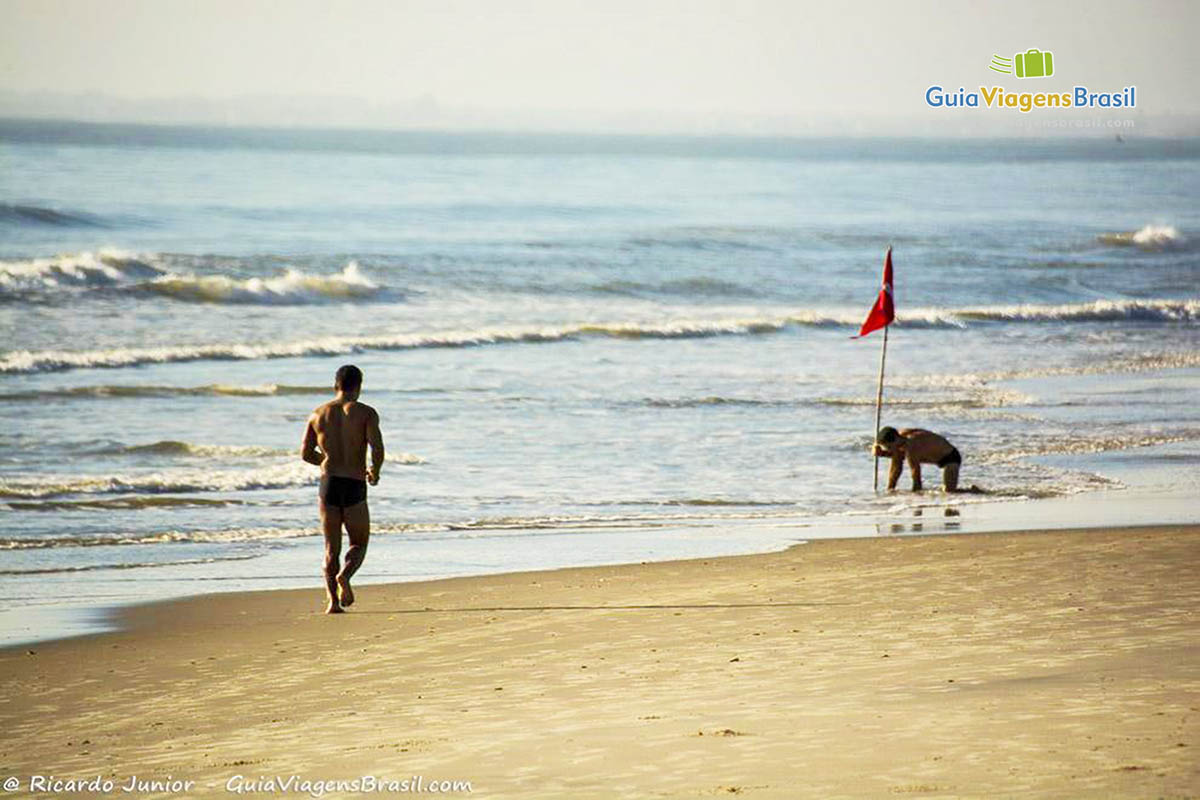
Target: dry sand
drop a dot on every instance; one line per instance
(1061, 664)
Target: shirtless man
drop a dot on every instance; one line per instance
(918, 447)
(336, 439)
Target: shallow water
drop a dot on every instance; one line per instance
(593, 351)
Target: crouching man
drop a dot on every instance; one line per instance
(917, 447)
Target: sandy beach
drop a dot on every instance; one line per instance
(1059, 664)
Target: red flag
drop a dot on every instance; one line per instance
(883, 312)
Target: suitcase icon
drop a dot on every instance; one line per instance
(1034, 63)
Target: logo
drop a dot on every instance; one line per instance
(1033, 63)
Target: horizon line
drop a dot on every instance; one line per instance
(1081, 134)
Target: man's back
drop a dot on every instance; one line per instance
(922, 446)
(342, 434)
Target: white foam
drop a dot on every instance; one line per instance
(102, 268)
(143, 273)
(1148, 237)
(281, 476)
(51, 360)
(169, 447)
(1157, 236)
(1097, 311)
(226, 536)
(1146, 362)
(291, 288)
(1080, 445)
(1100, 311)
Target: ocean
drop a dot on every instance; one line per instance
(584, 349)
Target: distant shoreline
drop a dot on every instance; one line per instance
(64, 131)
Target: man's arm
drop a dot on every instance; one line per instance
(308, 448)
(915, 467)
(895, 470)
(375, 439)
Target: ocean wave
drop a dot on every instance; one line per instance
(469, 529)
(116, 270)
(705, 240)
(171, 447)
(979, 381)
(282, 476)
(119, 504)
(161, 489)
(126, 391)
(713, 400)
(685, 287)
(122, 391)
(293, 287)
(1083, 445)
(1147, 362)
(981, 397)
(1097, 311)
(976, 401)
(647, 520)
(225, 536)
(125, 565)
(101, 269)
(1148, 237)
(17, 214)
(230, 536)
(977, 395)
(1162, 311)
(45, 361)
(904, 402)
(724, 502)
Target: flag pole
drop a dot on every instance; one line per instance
(879, 403)
(880, 316)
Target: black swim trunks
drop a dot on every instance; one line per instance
(953, 457)
(340, 492)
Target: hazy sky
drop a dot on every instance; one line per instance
(698, 56)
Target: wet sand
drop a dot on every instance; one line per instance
(1056, 664)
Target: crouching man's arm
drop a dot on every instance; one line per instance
(895, 471)
(896, 452)
(915, 467)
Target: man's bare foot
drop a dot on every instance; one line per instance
(346, 593)
(334, 608)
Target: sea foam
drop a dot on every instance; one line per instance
(89, 270)
(1156, 311)
(176, 481)
(293, 287)
(1148, 237)
(117, 270)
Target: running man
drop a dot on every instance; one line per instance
(336, 439)
(918, 447)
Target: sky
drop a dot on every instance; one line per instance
(536, 63)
